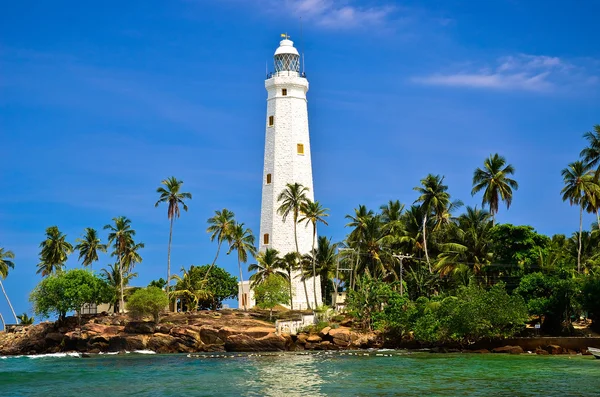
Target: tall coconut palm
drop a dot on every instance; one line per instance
(121, 237)
(289, 263)
(494, 178)
(242, 241)
(5, 264)
(435, 200)
(220, 227)
(313, 213)
(267, 263)
(358, 222)
(54, 253)
(171, 194)
(291, 200)
(579, 185)
(591, 153)
(88, 247)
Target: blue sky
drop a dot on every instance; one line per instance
(98, 104)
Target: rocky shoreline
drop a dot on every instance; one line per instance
(206, 332)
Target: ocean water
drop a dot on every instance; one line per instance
(386, 373)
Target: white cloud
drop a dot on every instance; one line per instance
(335, 14)
(521, 72)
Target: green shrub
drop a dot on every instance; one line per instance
(590, 299)
(148, 301)
(68, 291)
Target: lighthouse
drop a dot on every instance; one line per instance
(287, 161)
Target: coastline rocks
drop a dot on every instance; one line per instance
(324, 332)
(140, 327)
(245, 343)
(210, 335)
(343, 337)
(508, 349)
(314, 339)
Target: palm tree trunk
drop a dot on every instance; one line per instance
(425, 242)
(122, 302)
(8, 300)
(290, 283)
(3, 323)
(214, 261)
(242, 285)
(314, 267)
(299, 259)
(579, 249)
(169, 260)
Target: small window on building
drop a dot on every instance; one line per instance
(268, 179)
(300, 148)
(283, 91)
(271, 121)
(244, 299)
(266, 238)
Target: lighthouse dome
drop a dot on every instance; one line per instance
(286, 57)
(286, 46)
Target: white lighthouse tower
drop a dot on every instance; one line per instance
(287, 160)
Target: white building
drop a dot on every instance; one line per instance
(287, 160)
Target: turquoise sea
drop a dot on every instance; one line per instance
(386, 373)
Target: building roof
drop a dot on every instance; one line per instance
(286, 46)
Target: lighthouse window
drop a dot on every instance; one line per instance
(268, 179)
(300, 148)
(271, 121)
(284, 91)
(266, 238)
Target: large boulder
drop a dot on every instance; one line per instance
(324, 332)
(245, 343)
(343, 337)
(259, 332)
(226, 332)
(314, 339)
(102, 329)
(54, 338)
(508, 349)
(163, 343)
(210, 335)
(140, 327)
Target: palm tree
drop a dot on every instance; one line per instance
(579, 185)
(89, 246)
(171, 194)
(434, 200)
(121, 237)
(292, 199)
(289, 263)
(131, 256)
(313, 213)
(391, 216)
(469, 243)
(220, 228)
(268, 263)
(25, 319)
(591, 154)
(5, 264)
(116, 282)
(326, 259)
(54, 253)
(242, 240)
(189, 289)
(494, 179)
